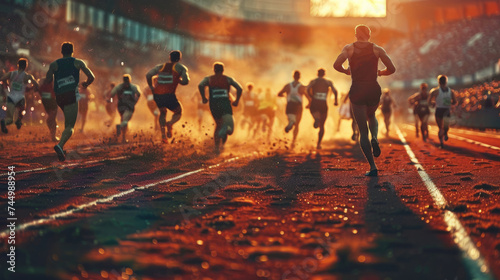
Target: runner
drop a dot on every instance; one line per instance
(17, 80)
(170, 74)
(363, 57)
(442, 97)
(127, 94)
(220, 104)
(50, 105)
(266, 112)
(386, 105)
(250, 109)
(294, 90)
(345, 114)
(421, 110)
(65, 72)
(318, 90)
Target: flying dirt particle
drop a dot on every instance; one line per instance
(183, 126)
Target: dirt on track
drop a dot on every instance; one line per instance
(254, 212)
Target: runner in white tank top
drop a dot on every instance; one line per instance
(15, 100)
(295, 92)
(442, 97)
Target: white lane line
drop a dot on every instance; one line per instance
(66, 213)
(451, 135)
(475, 263)
(65, 165)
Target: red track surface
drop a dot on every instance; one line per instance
(265, 212)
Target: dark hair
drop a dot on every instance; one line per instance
(218, 67)
(67, 48)
(127, 78)
(22, 63)
(442, 79)
(321, 72)
(362, 32)
(295, 73)
(423, 85)
(175, 56)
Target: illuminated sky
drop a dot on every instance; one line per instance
(348, 8)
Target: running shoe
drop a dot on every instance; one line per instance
(446, 136)
(60, 153)
(19, 124)
(288, 128)
(375, 148)
(372, 173)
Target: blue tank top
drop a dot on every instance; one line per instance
(67, 76)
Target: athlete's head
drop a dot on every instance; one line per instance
(67, 48)
(175, 56)
(386, 91)
(424, 86)
(22, 64)
(249, 86)
(296, 75)
(362, 32)
(127, 79)
(218, 67)
(443, 80)
(112, 85)
(321, 72)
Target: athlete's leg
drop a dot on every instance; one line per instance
(298, 118)
(321, 132)
(440, 124)
(424, 124)
(217, 138)
(292, 120)
(163, 121)
(9, 116)
(70, 115)
(387, 121)
(360, 115)
(175, 118)
(227, 126)
(446, 124)
(416, 123)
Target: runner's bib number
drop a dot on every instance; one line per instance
(219, 93)
(165, 79)
(17, 86)
(447, 101)
(150, 98)
(128, 92)
(70, 80)
(320, 95)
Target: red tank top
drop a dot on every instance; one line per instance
(168, 79)
(218, 86)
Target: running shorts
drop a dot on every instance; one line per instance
(168, 101)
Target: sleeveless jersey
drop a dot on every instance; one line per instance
(443, 99)
(168, 79)
(17, 85)
(386, 103)
(67, 76)
(294, 95)
(320, 89)
(218, 86)
(363, 63)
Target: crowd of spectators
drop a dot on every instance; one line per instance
(456, 48)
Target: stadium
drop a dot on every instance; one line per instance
(137, 198)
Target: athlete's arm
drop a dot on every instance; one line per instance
(149, 76)
(284, 90)
(412, 98)
(453, 97)
(386, 60)
(201, 87)
(335, 93)
(183, 71)
(343, 56)
(33, 81)
(309, 90)
(238, 88)
(50, 73)
(137, 93)
(80, 64)
(114, 91)
(432, 97)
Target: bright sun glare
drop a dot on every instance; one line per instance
(348, 8)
